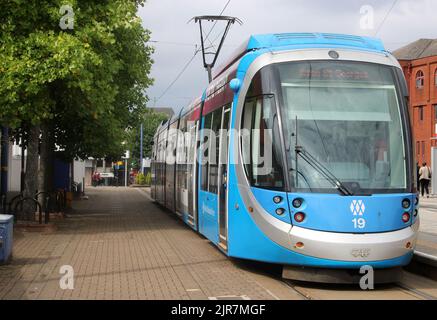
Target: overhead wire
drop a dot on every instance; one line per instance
(192, 58)
(386, 16)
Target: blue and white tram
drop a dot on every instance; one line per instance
(324, 178)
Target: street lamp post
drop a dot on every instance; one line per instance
(125, 172)
(141, 149)
(126, 156)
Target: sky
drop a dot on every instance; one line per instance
(395, 22)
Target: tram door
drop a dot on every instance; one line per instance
(192, 169)
(223, 178)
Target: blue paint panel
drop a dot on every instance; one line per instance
(208, 215)
(207, 204)
(311, 40)
(265, 199)
(332, 212)
(247, 241)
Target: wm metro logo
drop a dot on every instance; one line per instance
(357, 207)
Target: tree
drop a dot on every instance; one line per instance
(83, 86)
(150, 120)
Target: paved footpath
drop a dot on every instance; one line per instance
(121, 246)
(427, 242)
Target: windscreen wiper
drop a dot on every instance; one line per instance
(305, 155)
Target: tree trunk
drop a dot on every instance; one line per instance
(50, 161)
(44, 164)
(31, 177)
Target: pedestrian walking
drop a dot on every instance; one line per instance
(424, 179)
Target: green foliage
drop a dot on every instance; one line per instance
(148, 179)
(88, 82)
(144, 180)
(151, 120)
(140, 179)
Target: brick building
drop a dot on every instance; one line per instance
(419, 63)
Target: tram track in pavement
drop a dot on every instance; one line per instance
(419, 293)
(300, 292)
(411, 287)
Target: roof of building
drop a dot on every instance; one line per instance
(421, 48)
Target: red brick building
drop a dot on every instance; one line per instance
(419, 63)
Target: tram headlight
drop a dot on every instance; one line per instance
(297, 203)
(280, 211)
(406, 203)
(416, 212)
(406, 217)
(299, 217)
(277, 199)
(416, 201)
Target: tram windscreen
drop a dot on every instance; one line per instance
(348, 117)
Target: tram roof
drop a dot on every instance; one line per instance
(302, 40)
(313, 39)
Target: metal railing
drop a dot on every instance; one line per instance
(24, 215)
(51, 202)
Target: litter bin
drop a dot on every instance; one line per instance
(6, 232)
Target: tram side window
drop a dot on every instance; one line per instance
(260, 143)
(181, 155)
(205, 150)
(214, 150)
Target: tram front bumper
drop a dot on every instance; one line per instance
(354, 247)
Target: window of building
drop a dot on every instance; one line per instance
(420, 79)
(418, 148)
(421, 113)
